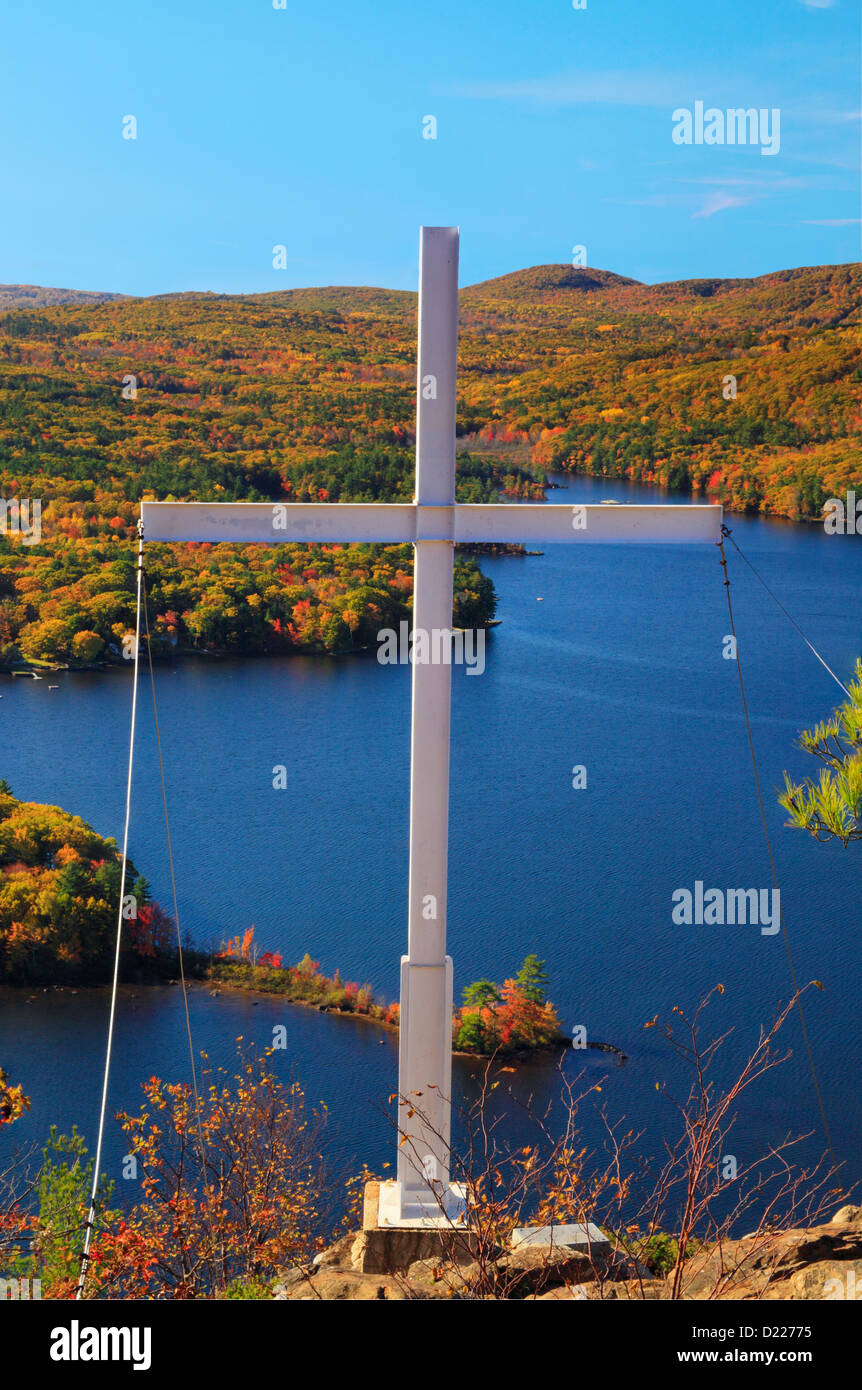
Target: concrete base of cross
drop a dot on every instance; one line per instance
(399, 1205)
(395, 1235)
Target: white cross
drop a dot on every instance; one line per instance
(435, 525)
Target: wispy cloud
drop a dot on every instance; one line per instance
(761, 185)
(831, 221)
(818, 4)
(719, 202)
(652, 200)
(617, 88)
(827, 116)
(725, 192)
(626, 87)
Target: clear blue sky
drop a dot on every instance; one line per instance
(302, 127)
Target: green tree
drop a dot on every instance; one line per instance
(532, 980)
(141, 891)
(831, 807)
(63, 1192)
(481, 994)
(473, 1035)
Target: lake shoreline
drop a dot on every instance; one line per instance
(216, 976)
(215, 985)
(35, 669)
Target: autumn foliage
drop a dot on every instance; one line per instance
(309, 396)
(227, 1191)
(59, 898)
(513, 1017)
(241, 965)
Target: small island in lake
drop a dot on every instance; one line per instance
(509, 1019)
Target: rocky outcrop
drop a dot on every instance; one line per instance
(823, 1262)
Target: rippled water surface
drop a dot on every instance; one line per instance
(619, 668)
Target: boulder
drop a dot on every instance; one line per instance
(290, 1282)
(330, 1285)
(834, 1280)
(431, 1279)
(627, 1290)
(337, 1254)
(559, 1295)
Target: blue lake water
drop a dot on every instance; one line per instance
(618, 668)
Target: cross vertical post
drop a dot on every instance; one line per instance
(423, 1194)
(425, 1043)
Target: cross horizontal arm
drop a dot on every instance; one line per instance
(397, 523)
(275, 523)
(599, 523)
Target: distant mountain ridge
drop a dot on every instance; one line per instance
(539, 284)
(745, 389)
(44, 296)
(541, 281)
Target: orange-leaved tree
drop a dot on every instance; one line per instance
(513, 1017)
(229, 1186)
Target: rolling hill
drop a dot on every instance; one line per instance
(37, 296)
(744, 390)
